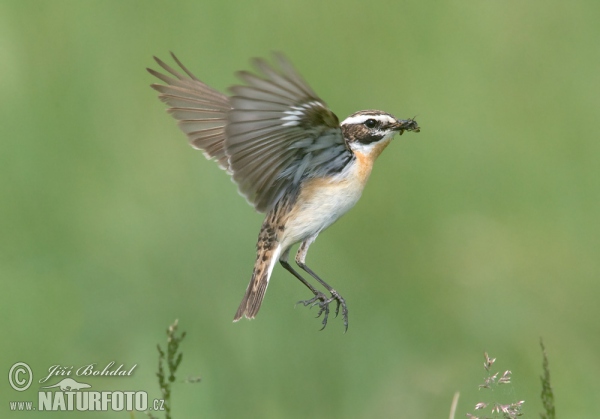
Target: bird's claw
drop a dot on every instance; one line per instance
(323, 302)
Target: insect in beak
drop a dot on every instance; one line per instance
(406, 125)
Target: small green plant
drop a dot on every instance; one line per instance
(173, 359)
(547, 394)
(493, 380)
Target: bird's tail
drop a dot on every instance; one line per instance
(266, 258)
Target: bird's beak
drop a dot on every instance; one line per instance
(402, 125)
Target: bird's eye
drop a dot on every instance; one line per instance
(370, 123)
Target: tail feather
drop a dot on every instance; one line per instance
(255, 293)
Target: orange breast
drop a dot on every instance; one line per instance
(365, 161)
(323, 200)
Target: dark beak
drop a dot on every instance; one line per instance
(402, 125)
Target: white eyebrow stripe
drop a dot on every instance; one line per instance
(360, 119)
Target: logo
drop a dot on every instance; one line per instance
(68, 384)
(69, 394)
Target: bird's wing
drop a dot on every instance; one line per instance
(280, 132)
(273, 133)
(200, 109)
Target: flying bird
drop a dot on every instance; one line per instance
(290, 157)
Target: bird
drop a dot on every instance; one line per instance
(290, 156)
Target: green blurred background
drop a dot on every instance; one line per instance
(481, 233)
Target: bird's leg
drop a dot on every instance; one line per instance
(300, 260)
(319, 297)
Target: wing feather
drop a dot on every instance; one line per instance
(284, 120)
(271, 135)
(200, 110)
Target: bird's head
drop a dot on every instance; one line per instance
(369, 132)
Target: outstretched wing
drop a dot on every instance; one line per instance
(280, 132)
(200, 109)
(273, 133)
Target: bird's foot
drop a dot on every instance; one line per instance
(323, 302)
(340, 302)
